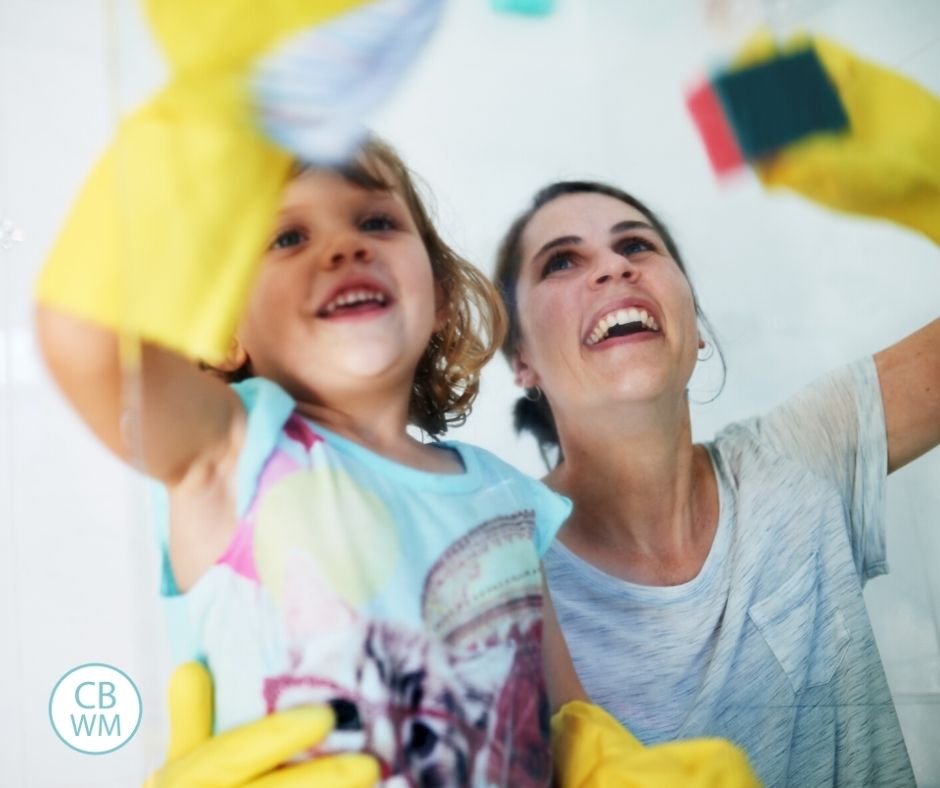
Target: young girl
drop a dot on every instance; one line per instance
(317, 552)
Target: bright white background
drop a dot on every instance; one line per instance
(497, 107)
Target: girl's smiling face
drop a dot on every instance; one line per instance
(345, 298)
(605, 313)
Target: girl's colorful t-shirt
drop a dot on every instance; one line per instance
(409, 601)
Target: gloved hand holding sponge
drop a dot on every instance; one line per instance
(813, 117)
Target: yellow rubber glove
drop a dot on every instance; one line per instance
(217, 34)
(888, 165)
(248, 756)
(168, 231)
(592, 750)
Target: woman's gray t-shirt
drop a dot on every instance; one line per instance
(770, 645)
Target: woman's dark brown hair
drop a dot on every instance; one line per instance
(447, 378)
(535, 415)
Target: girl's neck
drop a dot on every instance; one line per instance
(645, 497)
(379, 423)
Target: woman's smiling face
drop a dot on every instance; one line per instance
(605, 313)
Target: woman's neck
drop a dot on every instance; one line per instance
(645, 498)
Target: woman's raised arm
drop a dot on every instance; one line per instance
(888, 167)
(909, 373)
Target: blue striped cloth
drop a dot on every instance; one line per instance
(314, 92)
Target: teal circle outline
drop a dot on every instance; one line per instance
(140, 702)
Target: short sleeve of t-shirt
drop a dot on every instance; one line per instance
(835, 427)
(550, 509)
(551, 512)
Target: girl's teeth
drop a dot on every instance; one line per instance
(355, 297)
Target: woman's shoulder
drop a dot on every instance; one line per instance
(835, 408)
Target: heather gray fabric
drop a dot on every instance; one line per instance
(770, 645)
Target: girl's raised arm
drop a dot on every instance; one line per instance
(185, 420)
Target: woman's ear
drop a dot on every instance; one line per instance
(523, 375)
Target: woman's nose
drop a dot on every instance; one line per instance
(614, 266)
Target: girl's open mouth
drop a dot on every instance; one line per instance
(355, 302)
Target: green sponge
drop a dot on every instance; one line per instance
(752, 112)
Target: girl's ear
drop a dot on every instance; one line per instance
(235, 359)
(441, 307)
(523, 375)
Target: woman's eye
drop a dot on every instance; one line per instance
(634, 246)
(287, 239)
(377, 224)
(559, 262)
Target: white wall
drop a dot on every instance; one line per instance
(497, 107)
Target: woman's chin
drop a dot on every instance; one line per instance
(640, 387)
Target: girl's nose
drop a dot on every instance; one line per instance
(347, 249)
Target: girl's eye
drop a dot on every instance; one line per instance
(379, 223)
(634, 246)
(559, 262)
(287, 239)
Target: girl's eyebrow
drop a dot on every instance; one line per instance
(382, 199)
(288, 214)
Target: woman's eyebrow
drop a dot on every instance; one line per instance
(564, 240)
(631, 224)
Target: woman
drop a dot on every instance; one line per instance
(708, 589)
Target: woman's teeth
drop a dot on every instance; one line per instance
(622, 317)
(353, 297)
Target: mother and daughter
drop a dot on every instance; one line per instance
(318, 553)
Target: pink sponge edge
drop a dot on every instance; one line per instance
(720, 144)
